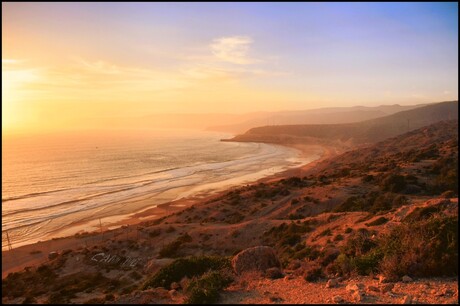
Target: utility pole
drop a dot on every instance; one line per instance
(100, 225)
(9, 242)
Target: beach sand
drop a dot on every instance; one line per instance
(34, 254)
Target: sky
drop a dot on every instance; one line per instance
(76, 63)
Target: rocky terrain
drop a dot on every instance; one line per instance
(378, 224)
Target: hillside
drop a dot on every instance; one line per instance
(369, 131)
(372, 225)
(332, 115)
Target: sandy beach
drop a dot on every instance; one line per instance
(33, 254)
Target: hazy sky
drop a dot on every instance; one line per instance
(71, 62)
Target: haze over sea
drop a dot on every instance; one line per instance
(55, 181)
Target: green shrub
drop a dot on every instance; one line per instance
(313, 273)
(205, 289)
(367, 263)
(423, 248)
(394, 183)
(170, 250)
(190, 267)
(353, 203)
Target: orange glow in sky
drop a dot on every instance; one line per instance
(80, 64)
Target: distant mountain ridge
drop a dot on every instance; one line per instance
(368, 131)
(330, 115)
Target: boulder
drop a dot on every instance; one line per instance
(259, 258)
(338, 299)
(406, 279)
(52, 255)
(331, 283)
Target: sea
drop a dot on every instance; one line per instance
(55, 181)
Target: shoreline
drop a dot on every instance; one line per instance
(22, 256)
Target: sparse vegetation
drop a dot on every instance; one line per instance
(190, 267)
(205, 289)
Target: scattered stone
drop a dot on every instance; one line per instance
(407, 279)
(52, 255)
(383, 279)
(331, 283)
(275, 298)
(259, 258)
(386, 288)
(407, 299)
(373, 288)
(273, 273)
(354, 287)
(358, 296)
(391, 294)
(338, 299)
(175, 286)
(351, 287)
(448, 292)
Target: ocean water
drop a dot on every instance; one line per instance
(51, 182)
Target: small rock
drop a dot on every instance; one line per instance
(406, 299)
(383, 279)
(406, 279)
(373, 288)
(386, 288)
(275, 298)
(175, 286)
(331, 283)
(288, 278)
(358, 296)
(448, 292)
(338, 299)
(352, 287)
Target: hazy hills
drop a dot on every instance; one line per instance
(331, 115)
(368, 131)
(239, 123)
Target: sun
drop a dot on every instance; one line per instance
(13, 94)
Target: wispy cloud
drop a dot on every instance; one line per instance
(10, 61)
(233, 49)
(97, 66)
